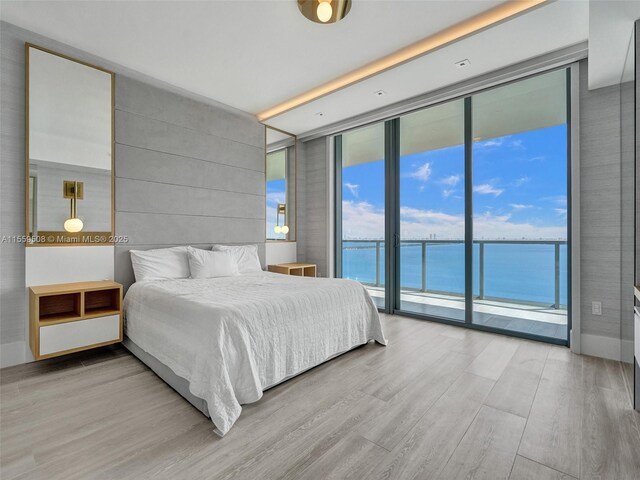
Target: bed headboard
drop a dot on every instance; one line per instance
(188, 172)
(124, 270)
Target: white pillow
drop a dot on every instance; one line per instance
(246, 256)
(211, 264)
(160, 263)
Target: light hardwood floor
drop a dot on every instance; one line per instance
(439, 402)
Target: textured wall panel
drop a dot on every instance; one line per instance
(137, 131)
(606, 193)
(313, 225)
(187, 173)
(13, 297)
(140, 164)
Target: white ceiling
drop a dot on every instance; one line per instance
(610, 31)
(247, 54)
(550, 27)
(254, 54)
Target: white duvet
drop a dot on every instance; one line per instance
(234, 337)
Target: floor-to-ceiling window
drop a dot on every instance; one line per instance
(477, 225)
(360, 175)
(520, 206)
(432, 211)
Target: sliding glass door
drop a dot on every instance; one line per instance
(432, 212)
(520, 196)
(360, 189)
(458, 212)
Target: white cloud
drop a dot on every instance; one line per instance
(446, 193)
(519, 206)
(486, 189)
(422, 173)
(492, 143)
(521, 181)
(276, 197)
(560, 200)
(361, 220)
(451, 180)
(561, 212)
(499, 142)
(353, 188)
(489, 226)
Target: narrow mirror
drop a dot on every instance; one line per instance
(280, 170)
(69, 150)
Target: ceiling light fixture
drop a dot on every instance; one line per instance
(449, 35)
(324, 11)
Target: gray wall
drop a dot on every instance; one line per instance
(606, 217)
(313, 192)
(186, 173)
(189, 170)
(13, 298)
(637, 160)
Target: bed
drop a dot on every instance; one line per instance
(221, 342)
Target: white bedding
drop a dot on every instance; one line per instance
(234, 337)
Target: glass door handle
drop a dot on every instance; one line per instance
(396, 240)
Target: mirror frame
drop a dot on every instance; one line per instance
(70, 239)
(295, 193)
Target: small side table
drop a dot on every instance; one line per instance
(298, 269)
(71, 317)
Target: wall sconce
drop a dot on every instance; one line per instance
(74, 191)
(281, 210)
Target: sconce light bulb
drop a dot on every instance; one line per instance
(324, 11)
(73, 225)
(285, 229)
(277, 229)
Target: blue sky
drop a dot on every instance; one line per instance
(520, 185)
(276, 193)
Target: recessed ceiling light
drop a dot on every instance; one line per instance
(463, 63)
(379, 93)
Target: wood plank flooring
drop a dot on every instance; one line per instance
(439, 402)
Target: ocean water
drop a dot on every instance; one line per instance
(523, 272)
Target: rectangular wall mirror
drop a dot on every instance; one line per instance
(69, 150)
(280, 185)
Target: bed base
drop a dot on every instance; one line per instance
(179, 384)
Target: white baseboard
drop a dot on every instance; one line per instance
(607, 347)
(12, 354)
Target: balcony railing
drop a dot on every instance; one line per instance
(378, 245)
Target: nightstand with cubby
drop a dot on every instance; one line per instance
(297, 269)
(70, 317)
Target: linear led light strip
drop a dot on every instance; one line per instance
(415, 50)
